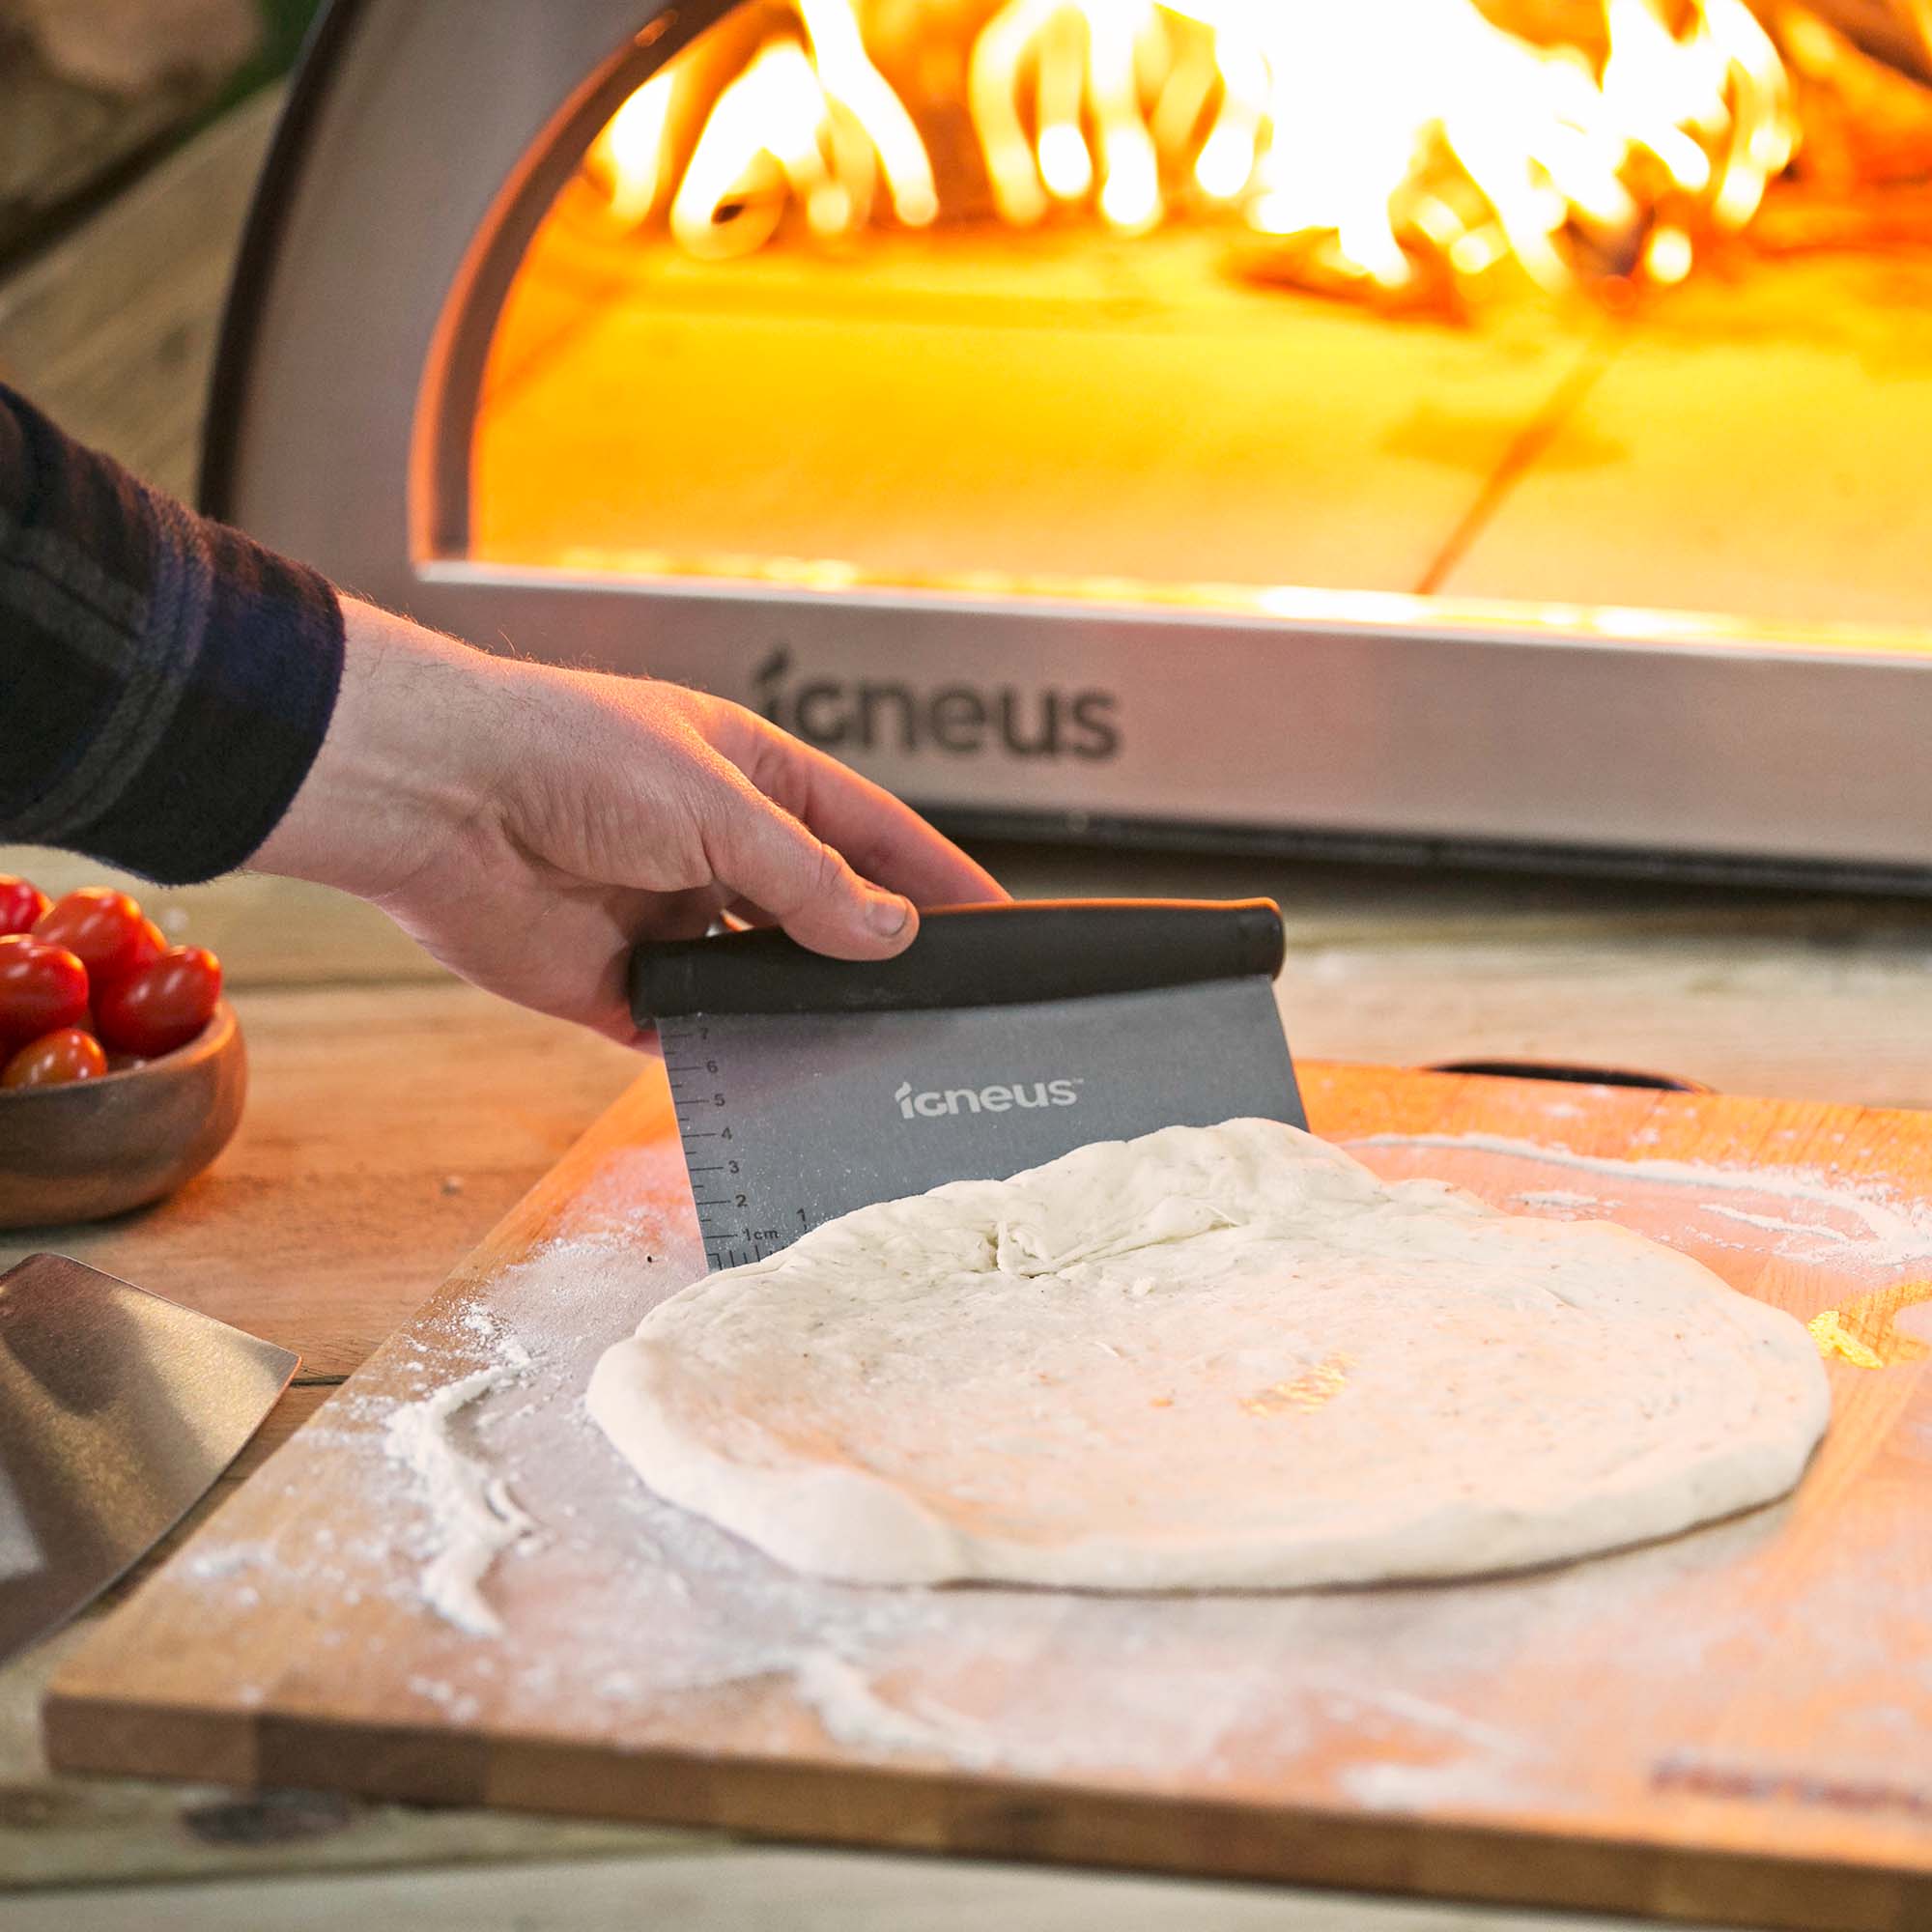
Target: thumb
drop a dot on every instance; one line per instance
(762, 853)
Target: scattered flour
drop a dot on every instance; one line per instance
(1393, 1785)
(848, 1705)
(1440, 1717)
(474, 1514)
(225, 1560)
(1883, 1231)
(1772, 1223)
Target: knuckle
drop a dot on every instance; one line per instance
(829, 872)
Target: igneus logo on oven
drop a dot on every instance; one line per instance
(955, 720)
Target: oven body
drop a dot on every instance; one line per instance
(424, 140)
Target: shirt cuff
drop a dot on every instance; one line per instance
(255, 643)
(166, 682)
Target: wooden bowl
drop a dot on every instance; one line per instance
(95, 1147)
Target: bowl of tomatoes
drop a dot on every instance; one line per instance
(122, 1068)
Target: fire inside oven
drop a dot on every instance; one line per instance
(1204, 302)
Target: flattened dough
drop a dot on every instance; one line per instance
(1215, 1357)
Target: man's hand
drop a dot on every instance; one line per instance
(528, 824)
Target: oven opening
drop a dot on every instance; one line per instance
(1556, 306)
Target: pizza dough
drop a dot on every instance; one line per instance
(1215, 1357)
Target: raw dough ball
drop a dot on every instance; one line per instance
(1215, 1357)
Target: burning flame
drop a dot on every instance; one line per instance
(810, 119)
(1379, 141)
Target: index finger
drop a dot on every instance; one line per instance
(882, 837)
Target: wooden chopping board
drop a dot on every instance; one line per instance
(1733, 1725)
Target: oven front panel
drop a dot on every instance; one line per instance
(1345, 731)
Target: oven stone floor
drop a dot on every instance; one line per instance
(987, 409)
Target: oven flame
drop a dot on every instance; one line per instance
(809, 121)
(1387, 145)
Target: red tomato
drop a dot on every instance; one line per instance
(149, 944)
(148, 947)
(43, 988)
(98, 925)
(20, 903)
(163, 1005)
(54, 1059)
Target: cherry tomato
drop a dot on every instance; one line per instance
(43, 988)
(20, 903)
(148, 946)
(98, 925)
(55, 1059)
(163, 1005)
(150, 942)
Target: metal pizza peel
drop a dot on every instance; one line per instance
(118, 1410)
(1003, 1036)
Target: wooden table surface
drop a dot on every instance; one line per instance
(396, 1116)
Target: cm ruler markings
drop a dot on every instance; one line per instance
(735, 1228)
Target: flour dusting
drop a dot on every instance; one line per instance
(1883, 1231)
(476, 1517)
(849, 1706)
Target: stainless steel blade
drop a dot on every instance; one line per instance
(789, 1119)
(118, 1410)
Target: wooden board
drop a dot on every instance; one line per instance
(1731, 1726)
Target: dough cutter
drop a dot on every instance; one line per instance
(1003, 1036)
(118, 1410)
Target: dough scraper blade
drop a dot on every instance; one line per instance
(1004, 1036)
(118, 1410)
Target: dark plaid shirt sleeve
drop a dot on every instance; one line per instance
(164, 682)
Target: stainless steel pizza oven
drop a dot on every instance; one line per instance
(1416, 425)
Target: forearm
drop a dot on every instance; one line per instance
(164, 682)
(408, 760)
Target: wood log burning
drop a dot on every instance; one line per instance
(1411, 153)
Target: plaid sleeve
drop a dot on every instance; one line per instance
(166, 682)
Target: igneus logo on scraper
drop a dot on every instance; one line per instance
(937, 1103)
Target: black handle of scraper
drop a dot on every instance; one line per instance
(973, 955)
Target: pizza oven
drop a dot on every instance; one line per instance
(1483, 428)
